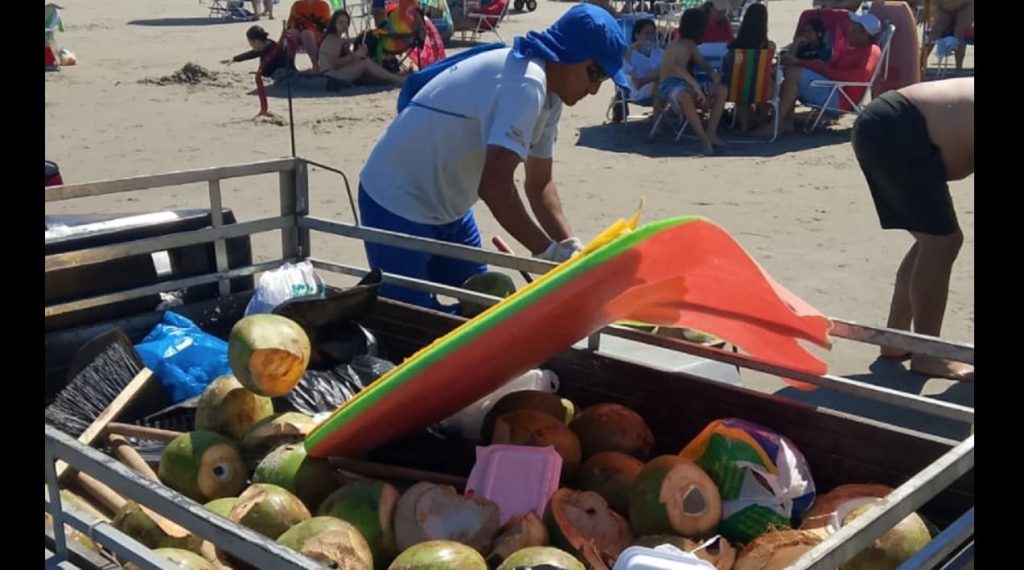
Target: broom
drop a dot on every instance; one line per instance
(98, 391)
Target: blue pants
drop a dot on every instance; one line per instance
(417, 264)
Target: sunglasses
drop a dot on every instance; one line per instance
(596, 74)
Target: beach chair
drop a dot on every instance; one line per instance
(488, 18)
(844, 88)
(753, 78)
(230, 10)
(946, 46)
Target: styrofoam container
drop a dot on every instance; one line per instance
(665, 557)
(518, 478)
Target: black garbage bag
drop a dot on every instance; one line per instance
(326, 390)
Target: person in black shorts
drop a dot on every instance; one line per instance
(909, 144)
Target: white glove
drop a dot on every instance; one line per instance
(561, 251)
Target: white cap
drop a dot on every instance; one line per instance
(868, 21)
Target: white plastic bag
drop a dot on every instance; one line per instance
(290, 281)
(470, 420)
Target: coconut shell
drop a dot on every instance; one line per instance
(308, 478)
(427, 511)
(610, 474)
(894, 547)
(582, 523)
(777, 550)
(132, 520)
(268, 353)
(227, 408)
(830, 508)
(203, 465)
(518, 533)
(331, 541)
(671, 495)
(180, 558)
(271, 431)
(439, 555)
(222, 506)
(369, 506)
(613, 427)
(537, 429)
(268, 509)
(539, 400)
(541, 557)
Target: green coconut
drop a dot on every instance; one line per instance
(289, 427)
(268, 353)
(268, 509)
(894, 547)
(227, 408)
(439, 555)
(582, 523)
(427, 511)
(610, 474)
(612, 427)
(308, 478)
(202, 465)
(539, 400)
(331, 541)
(221, 506)
(181, 558)
(489, 283)
(537, 429)
(541, 556)
(369, 506)
(518, 533)
(134, 521)
(671, 495)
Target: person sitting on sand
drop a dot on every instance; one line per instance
(677, 79)
(339, 61)
(718, 28)
(753, 34)
(307, 22)
(909, 143)
(274, 60)
(809, 42)
(856, 63)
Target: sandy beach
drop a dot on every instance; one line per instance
(800, 205)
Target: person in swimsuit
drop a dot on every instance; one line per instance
(307, 22)
(274, 60)
(909, 143)
(339, 61)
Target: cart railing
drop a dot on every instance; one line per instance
(296, 224)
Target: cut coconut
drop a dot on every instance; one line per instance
(268, 353)
(537, 429)
(518, 533)
(289, 427)
(222, 506)
(539, 400)
(541, 557)
(180, 558)
(894, 547)
(269, 510)
(308, 478)
(436, 512)
(673, 495)
(134, 521)
(610, 474)
(369, 506)
(830, 509)
(613, 427)
(227, 408)
(439, 555)
(582, 523)
(202, 465)
(777, 550)
(331, 541)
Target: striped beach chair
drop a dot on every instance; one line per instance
(752, 78)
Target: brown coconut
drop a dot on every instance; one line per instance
(610, 474)
(427, 511)
(582, 523)
(613, 427)
(227, 408)
(518, 533)
(289, 427)
(537, 429)
(539, 400)
(777, 549)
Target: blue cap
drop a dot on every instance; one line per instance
(584, 32)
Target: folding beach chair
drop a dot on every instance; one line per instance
(488, 18)
(753, 78)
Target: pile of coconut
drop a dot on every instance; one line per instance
(612, 495)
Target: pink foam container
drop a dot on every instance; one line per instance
(518, 478)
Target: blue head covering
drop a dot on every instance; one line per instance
(584, 32)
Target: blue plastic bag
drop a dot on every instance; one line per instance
(184, 358)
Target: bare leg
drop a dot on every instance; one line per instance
(929, 291)
(719, 93)
(787, 100)
(900, 310)
(309, 42)
(268, 7)
(365, 69)
(256, 9)
(685, 99)
(380, 74)
(959, 55)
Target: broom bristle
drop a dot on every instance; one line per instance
(93, 389)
